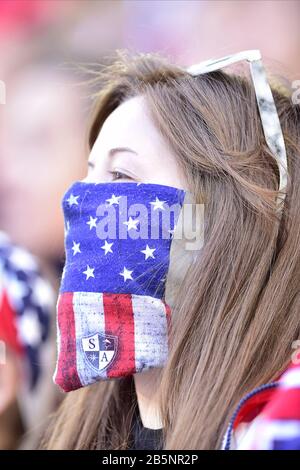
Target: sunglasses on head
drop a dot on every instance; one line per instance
(266, 105)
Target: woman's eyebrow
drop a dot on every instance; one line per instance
(114, 150)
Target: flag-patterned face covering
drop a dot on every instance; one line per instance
(112, 319)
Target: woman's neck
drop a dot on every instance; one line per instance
(146, 387)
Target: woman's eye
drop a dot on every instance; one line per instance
(117, 175)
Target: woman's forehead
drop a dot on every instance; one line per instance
(130, 125)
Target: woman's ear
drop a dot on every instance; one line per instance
(9, 381)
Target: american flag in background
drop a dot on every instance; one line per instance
(112, 319)
(270, 413)
(278, 427)
(27, 303)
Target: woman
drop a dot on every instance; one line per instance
(235, 315)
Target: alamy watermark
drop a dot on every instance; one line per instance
(296, 353)
(2, 92)
(176, 221)
(2, 353)
(296, 93)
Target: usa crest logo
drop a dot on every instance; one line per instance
(100, 350)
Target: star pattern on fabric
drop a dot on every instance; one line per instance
(107, 247)
(131, 223)
(93, 358)
(113, 200)
(148, 252)
(139, 258)
(157, 204)
(172, 232)
(126, 274)
(89, 272)
(92, 222)
(73, 200)
(76, 248)
(31, 300)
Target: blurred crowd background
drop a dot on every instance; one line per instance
(43, 130)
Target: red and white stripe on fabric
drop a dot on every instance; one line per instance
(139, 323)
(8, 325)
(278, 426)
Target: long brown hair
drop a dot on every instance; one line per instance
(240, 312)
